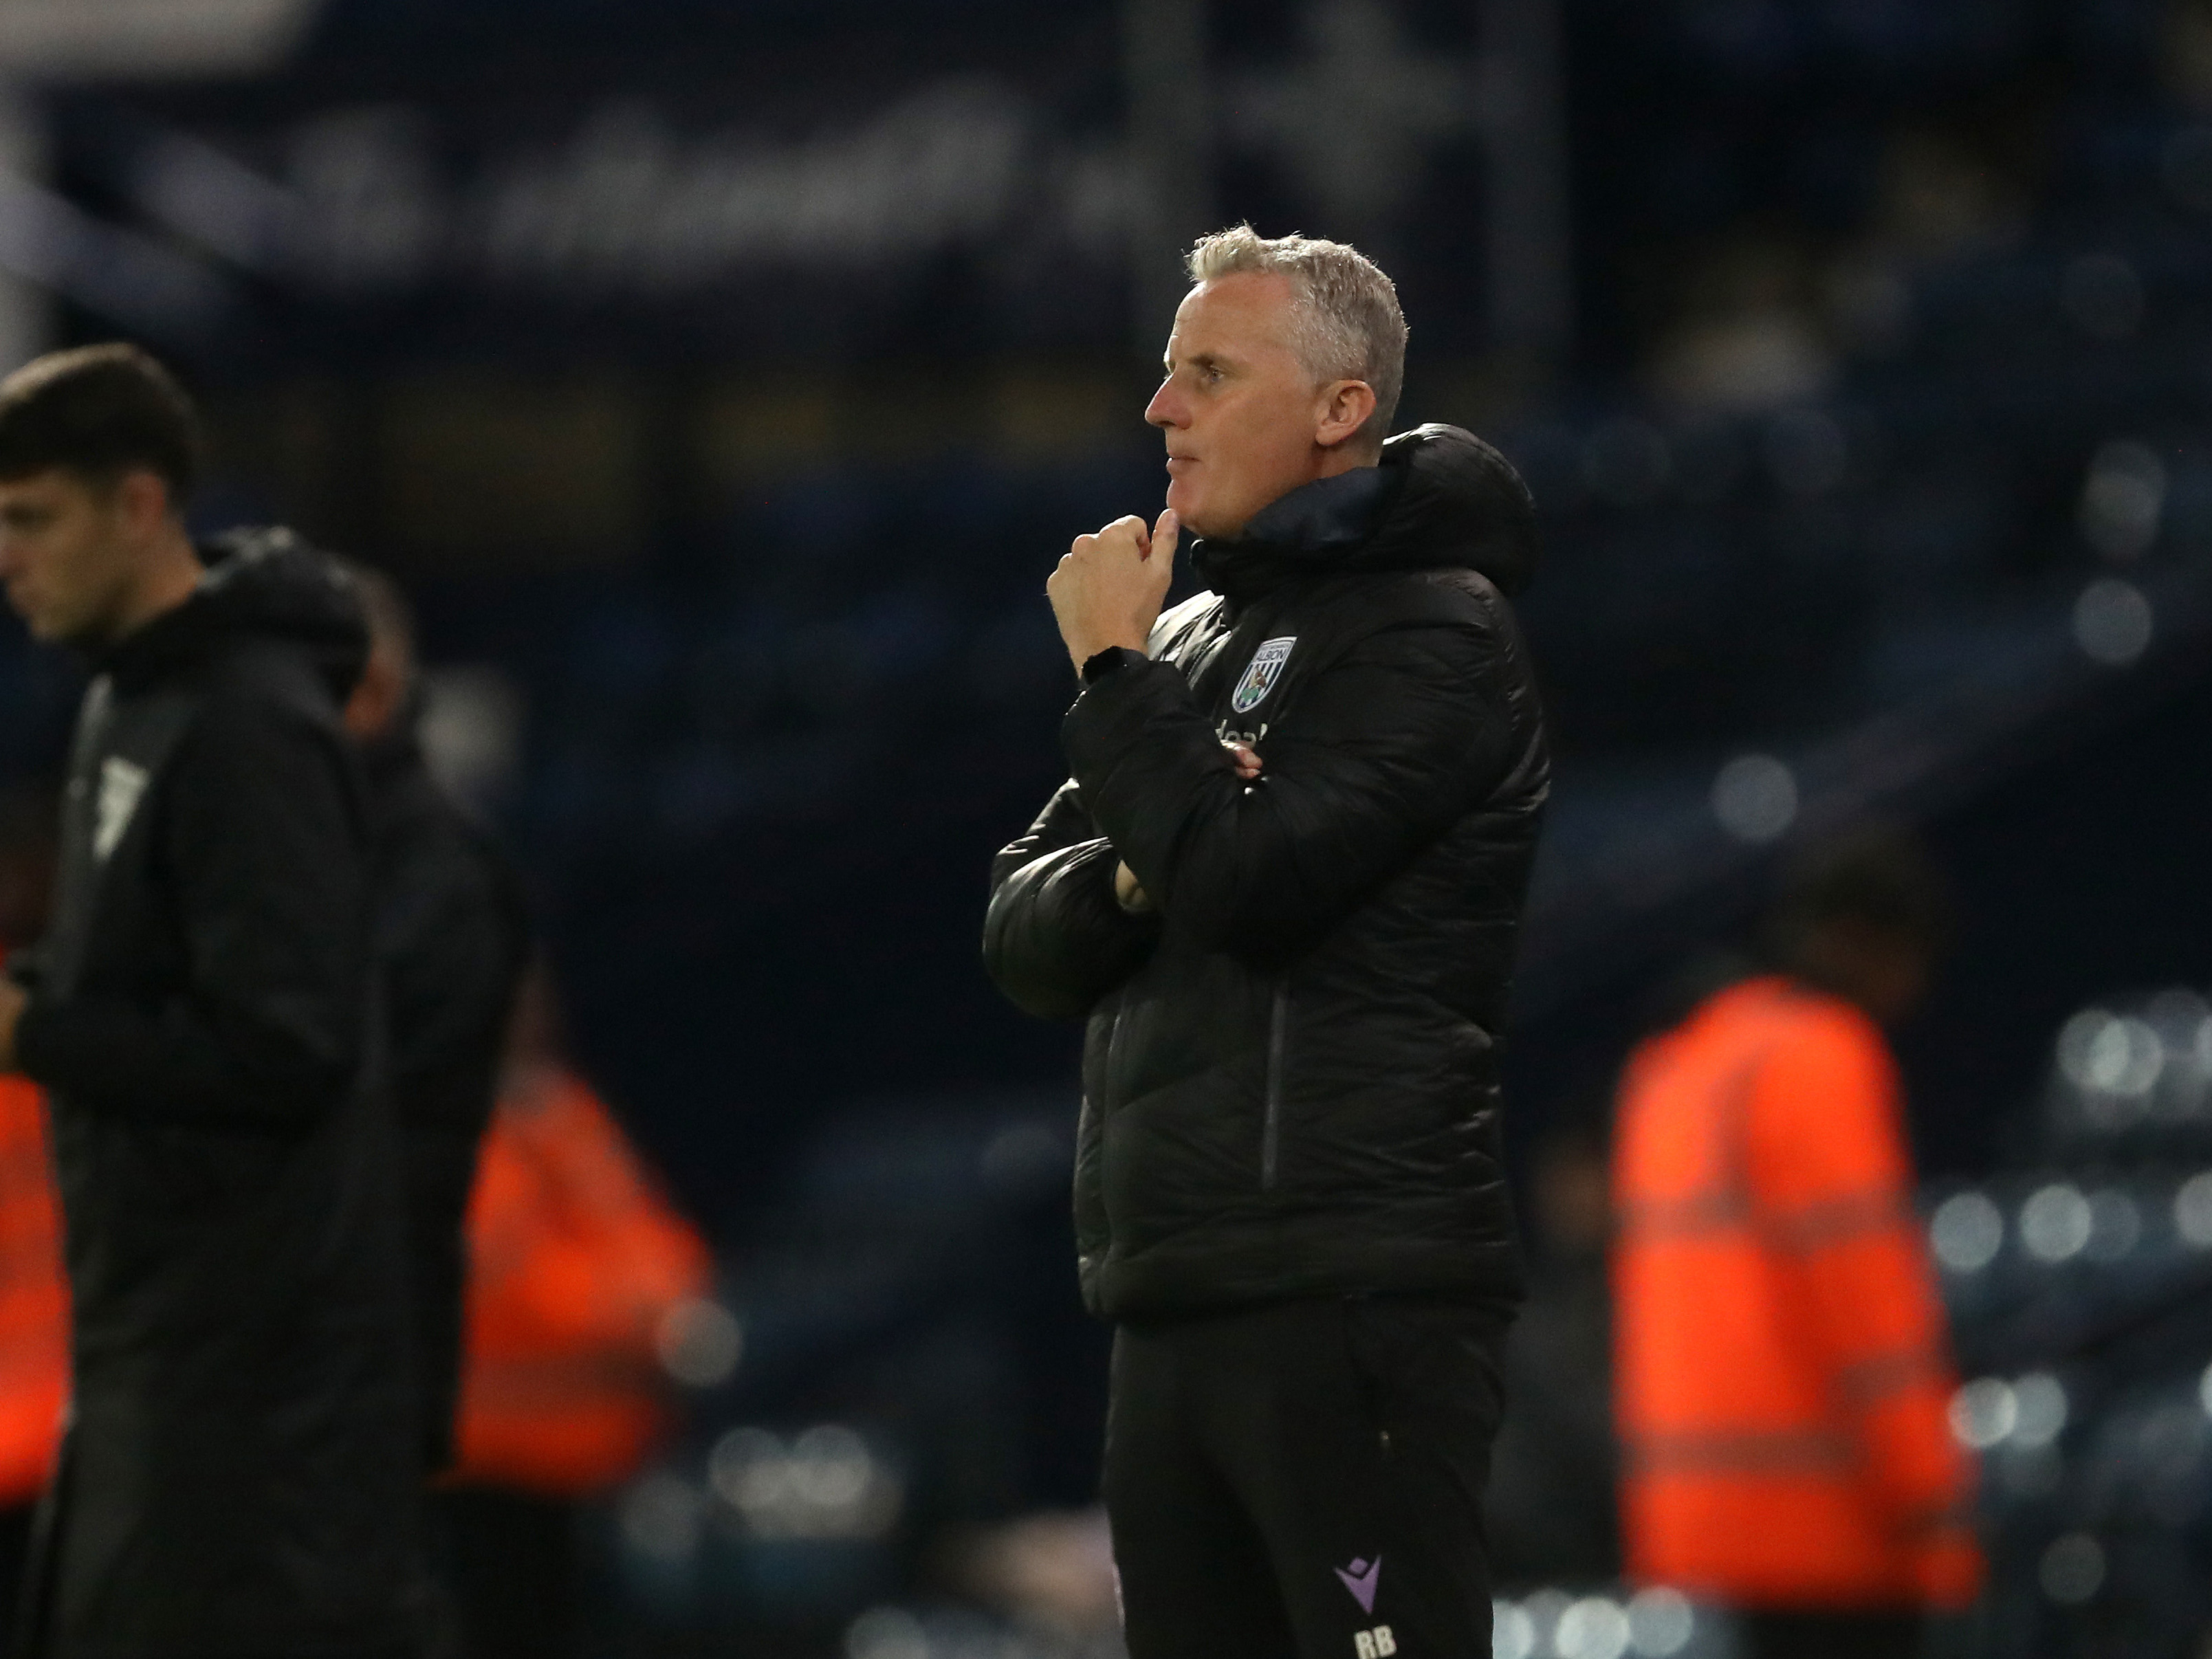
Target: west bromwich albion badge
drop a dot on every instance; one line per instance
(1261, 673)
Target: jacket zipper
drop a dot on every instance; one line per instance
(1271, 1130)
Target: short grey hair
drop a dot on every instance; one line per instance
(1346, 320)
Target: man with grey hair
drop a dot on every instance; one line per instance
(1283, 885)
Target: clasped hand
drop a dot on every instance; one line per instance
(1127, 892)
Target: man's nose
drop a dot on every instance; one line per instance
(1166, 408)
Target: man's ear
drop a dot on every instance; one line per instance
(376, 699)
(143, 499)
(1345, 407)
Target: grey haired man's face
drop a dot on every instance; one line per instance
(1244, 420)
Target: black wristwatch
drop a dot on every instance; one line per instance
(1098, 666)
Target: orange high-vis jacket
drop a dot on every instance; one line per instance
(574, 1259)
(1783, 1373)
(34, 1304)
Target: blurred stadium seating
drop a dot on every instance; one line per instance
(2082, 1284)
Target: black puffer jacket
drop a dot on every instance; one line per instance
(240, 1474)
(1290, 1073)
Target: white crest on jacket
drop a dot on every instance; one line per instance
(1261, 673)
(122, 786)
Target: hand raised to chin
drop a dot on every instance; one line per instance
(1109, 589)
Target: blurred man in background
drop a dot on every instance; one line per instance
(453, 939)
(241, 1470)
(1284, 884)
(1783, 1361)
(34, 1324)
(580, 1271)
(572, 1257)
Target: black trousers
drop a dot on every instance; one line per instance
(1306, 1479)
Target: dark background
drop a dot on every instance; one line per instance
(725, 379)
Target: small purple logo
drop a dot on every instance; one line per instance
(1360, 1579)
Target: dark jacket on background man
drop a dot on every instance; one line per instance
(1290, 1073)
(241, 1473)
(453, 935)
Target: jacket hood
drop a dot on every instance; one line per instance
(1440, 499)
(264, 584)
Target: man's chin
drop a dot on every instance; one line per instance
(72, 634)
(1191, 511)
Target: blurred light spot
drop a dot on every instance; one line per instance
(1659, 1623)
(825, 1484)
(1626, 463)
(700, 1343)
(831, 1467)
(2113, 621)
(2103, 1054)
(2073, 1569)
(2038, 1409)
(2054, 1223)
(660, 1517)
(472, 732)
(2181, 1019)
(2115, 1225)
(1544, 1609)
(2192, 1210)
(1806, 451)
(746, 1468)
(2204, 1391)
(1593, 1628)
(886, 1633)
(1983, 1411)
(1755, 798)
(1512, 1632)
(2104, 295)
(2187, 165)
(2076, 1038)
(2122, 500)
(1967, 1232)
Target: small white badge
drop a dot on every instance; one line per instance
(122, 786)
(1261, 673)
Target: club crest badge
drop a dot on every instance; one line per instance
(1261, 673)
